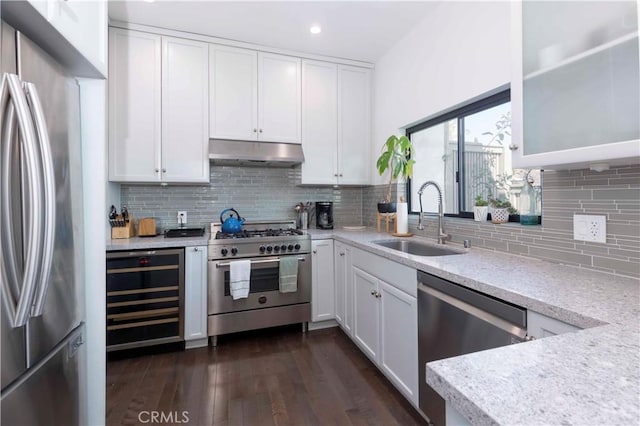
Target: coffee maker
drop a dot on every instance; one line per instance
(324, 214)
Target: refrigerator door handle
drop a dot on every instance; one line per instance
(49, 211)
(20, 310)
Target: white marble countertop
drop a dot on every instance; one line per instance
(588, 377)
(145, 243)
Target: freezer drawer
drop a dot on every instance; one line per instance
(50, 393)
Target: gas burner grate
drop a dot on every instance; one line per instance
(258, 233)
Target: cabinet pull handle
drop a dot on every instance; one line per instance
(513, 147)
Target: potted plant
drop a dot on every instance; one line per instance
(481, 209)
(395, 157)
(500, 210)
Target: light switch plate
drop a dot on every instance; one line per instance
(590, 228)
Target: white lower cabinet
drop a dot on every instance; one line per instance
(343, 287)
(540, 326)
(386, 319)
(322, 282)
(195, 297)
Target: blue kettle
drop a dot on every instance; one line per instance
(231, 225)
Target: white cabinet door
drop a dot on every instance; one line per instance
(322, 283)
(195, 288)
(575, 86)
(84, 24)
(185, 110)
(399, 339)
(319, 122)
(340, 284)
(366, 311)
(233, 78)
(540, 326)
(354, 125)
(279, 100)
(134, 106)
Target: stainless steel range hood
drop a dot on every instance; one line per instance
(248, 153)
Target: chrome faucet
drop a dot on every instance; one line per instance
(442, 236)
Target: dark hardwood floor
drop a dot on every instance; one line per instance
(266, 377)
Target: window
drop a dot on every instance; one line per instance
(466, 151)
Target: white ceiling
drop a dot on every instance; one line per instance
(361, 30)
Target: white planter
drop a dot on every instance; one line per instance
(480, 213)
(500, 215)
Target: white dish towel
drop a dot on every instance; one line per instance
(239, 275)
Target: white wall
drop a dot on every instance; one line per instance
(457, 52)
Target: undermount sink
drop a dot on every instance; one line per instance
(416, 248)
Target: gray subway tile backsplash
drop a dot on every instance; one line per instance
(271, 193)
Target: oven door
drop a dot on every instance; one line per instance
(264, 285)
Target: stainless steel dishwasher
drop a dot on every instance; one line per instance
(454, 320)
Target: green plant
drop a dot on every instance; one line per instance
(502, 204)
(480, 202)
(503, 128)
(396, 157)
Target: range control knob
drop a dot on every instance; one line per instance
(297, 247)
(290, 247)
(276, 248)
(269, 248)
(234, 251)
(283, 247)
(262, 249)
(224, 252)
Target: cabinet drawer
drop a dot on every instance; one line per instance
(400, 276)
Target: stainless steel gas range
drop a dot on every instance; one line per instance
(264, 244)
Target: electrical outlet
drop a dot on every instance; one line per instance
(590, 228)
(182, 218)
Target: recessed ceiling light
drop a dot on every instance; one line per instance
(315, 29)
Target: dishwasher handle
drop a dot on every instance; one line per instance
(518, 332)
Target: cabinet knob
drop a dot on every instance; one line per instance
(373, 292)
(164, 170)
(513, 147)
(157, 170)
(378, 295)
(255, 130)
(260, 130)
(195, 249)
(340, 174)
(341, 253)
(335, 175)
(315, 251)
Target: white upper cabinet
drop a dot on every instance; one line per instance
(185, 110)
(279, 102)
(336, 124)
(354, 125)
(82, 23)
(575, 86)
(319, 122)
(134, 106)
(158, 108)
(254, 95)
(233, 92)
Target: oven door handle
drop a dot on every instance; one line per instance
(253, 262)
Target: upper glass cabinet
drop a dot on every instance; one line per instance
(575, 83)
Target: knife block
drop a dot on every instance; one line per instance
(126, 231)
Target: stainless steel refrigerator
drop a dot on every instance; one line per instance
(42, 309)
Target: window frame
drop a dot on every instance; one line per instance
(458, 113)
